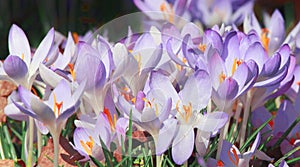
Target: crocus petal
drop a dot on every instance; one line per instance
(277, 31)
(197, 90)
(12, 111)
(18, 44)
(256, 52)
(165, 136)
(271, 67)
(215, 39)
(273, 80)
(251, 23)
(285, 52)
(183, 144)
(48, 76)
(162, 82)
(25, 111)
(41, 127)
(212, 122)
(42, 51)
(155, 58)
(216, 68)
(26, 96)
(202, 142)
(172, 54)
(43, 112)
(66, 114)
(15, 68)
(228, 89)
(61, 93)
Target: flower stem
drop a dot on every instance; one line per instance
(223, 132)
(39, 137)
(30, 148)
(158, 160)
(56, 149)
(245, 117)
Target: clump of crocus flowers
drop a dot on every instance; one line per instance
(214, 97)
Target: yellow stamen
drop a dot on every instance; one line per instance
(73, 74)
(168, 13)
(23, 56)
(202, 47)
(188, 112)
(222, 77)
(264, 38)
(88, 146)
(156, 109)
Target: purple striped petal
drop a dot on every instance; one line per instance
(15, 68)
(18, 44)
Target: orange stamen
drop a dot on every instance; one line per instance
(75, 37)
(202, 47)
(112, 122)
(222, 77)
(23, 56)
(264, 39)
(220, 163)
(73, 74)
(298, 83)
(235, 161)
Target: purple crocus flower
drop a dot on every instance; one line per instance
(54, 112)
(20, 67)
(214, 12)
(163, 9)
(187, 105)
(231, 156)
(151, 111)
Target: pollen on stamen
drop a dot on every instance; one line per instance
(298, 83)
(23, 56)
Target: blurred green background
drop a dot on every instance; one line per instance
(36, 17)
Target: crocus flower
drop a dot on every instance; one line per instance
(87, 143)
(187, 104)
(20, 67)
(151, 111)
(273, 35)
(54, 112)
(162, 9)
(231, 156)
(214, 12)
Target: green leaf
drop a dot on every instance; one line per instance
(286, 133)
(96, 162)
(253, 135)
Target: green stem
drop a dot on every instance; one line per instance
(30, 148)
(287, 155)
(158, 160)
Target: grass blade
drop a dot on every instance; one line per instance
(252, 136)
